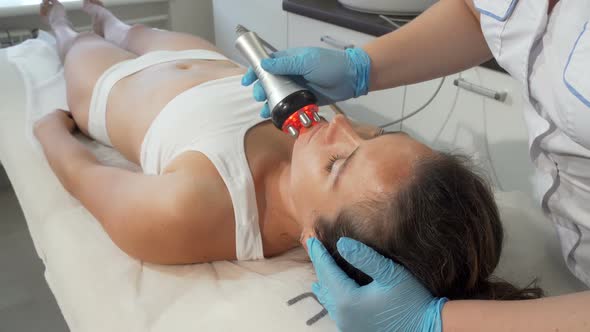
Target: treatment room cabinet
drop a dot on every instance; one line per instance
(376, 108)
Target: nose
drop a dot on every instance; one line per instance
(340, 130)
(340, 120)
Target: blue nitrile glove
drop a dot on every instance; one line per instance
(394, 301)
(332, 75)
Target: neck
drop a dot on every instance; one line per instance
(280, 229)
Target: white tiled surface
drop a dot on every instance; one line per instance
(26, 303)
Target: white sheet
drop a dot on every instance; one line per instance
(99, 288)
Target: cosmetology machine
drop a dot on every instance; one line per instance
(293, 107)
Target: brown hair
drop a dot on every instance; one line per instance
(443, 225)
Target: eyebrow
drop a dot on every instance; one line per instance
(347, 161)
(344, 166)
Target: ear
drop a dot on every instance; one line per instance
(306, 234)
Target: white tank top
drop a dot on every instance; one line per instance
(212, 118)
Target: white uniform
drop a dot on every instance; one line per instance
(550, 55)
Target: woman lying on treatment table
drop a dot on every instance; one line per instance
(219, 183)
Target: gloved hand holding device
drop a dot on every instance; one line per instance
(331, 74)
(394, 301)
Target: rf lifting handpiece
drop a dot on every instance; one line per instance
(292, 106)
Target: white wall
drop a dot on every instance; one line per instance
(194, 17)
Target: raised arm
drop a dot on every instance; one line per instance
(445, 39)
(567, 313)
(168, 219)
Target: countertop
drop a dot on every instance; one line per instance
(331, 11)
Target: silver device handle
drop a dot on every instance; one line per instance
(335, 43)
(277, 87)
(481, 90)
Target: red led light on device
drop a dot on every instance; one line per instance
(294, 121)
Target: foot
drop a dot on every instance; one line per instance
(104, 23)
(53, 13)
(95, 8)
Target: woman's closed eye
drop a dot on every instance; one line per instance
(333, 160)
(337, 157)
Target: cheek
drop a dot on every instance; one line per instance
(306, 177)
(309, 182)
(302, 179)
(305, 166)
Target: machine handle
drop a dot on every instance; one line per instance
(481, 90)
(335, 43)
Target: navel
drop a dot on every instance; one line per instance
(183, 66)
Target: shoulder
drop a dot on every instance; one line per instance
(198, 189)
(200, 217)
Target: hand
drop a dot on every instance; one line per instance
(58, 120)
(332, 75)
(394, 301)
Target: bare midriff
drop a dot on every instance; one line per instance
(136, 100)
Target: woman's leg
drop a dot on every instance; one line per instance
(54, 15)
(140, 39)
(86, 57)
